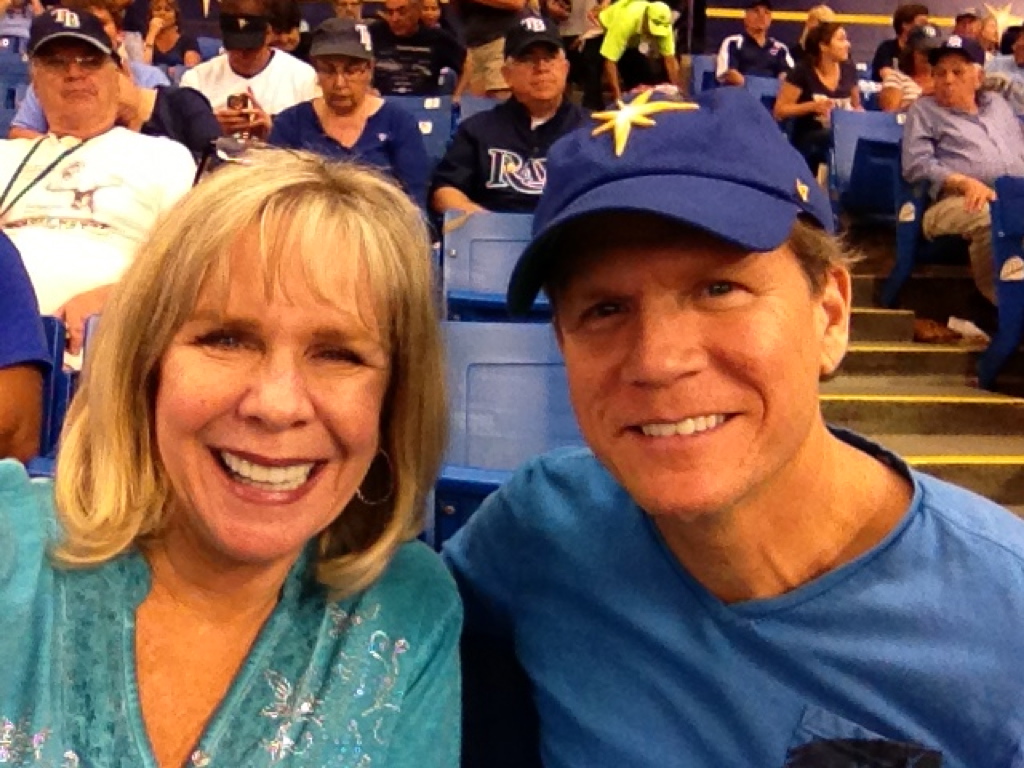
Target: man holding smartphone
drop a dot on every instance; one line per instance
(250, 81)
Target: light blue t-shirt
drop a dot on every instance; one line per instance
(911, 651)
(30, 114)
(368, 681)
(1007, 65)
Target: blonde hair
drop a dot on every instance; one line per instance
(111, 487)
(819, 14)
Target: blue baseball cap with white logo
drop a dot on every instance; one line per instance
(968, 49)
(719, 163)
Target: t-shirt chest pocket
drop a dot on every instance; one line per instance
(825, 740)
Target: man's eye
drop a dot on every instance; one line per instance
(601, 310)
(720, 288)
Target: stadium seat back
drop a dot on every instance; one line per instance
(480, 251)
(434, 117)
(865, 168)
(509, 401)
(1008, 264)
(702, 74)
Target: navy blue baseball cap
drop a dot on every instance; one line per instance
(964, 47)
(719, 163)
(65, 23)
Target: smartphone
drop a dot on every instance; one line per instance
(239, 101)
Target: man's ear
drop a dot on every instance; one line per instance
(833, 325)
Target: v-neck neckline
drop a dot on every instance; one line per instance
(138, 583)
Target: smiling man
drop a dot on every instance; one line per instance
(719, 578)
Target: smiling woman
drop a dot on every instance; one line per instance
(238, 482)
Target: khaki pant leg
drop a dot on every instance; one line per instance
(949, 217)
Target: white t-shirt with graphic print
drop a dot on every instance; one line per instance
(284, 82)
(79, 226)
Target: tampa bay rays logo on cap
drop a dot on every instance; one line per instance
(955, 42)
(243, 23)
(67, 19)
(533, 24)
(637, 112)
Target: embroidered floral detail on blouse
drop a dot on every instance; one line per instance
(200, 759)
(291, 710)
(18, 746)
(343, 620)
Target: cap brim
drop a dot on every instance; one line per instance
(244, 41)
(547, 42)
(66, 34)
(660, 30)
(937, 53)
(352, 50)
(738, 214)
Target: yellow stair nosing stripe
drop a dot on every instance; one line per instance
(972, 460)
(912, 348)
(832, 397)
(871, 19)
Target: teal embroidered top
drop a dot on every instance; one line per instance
(369, 681)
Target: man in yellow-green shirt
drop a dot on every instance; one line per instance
(631, 24)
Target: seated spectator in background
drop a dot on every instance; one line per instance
(180, 114)
(1009, 37)
(967, 23)
(753, 53)
(817, 15)
(348, 9)
(718, 579)
(29, 121)
(165, 46)
(24, 358)
(901, 87)
(825, 81)
(259, 82)
(484, 26)
(959, 141)
(348, 121)
(16, 18)
(409, 57)
(430, 13)
(1011, 63)
(289, 31)
(988, 36)
(497, 159)
(79, 200)
(904, 19)
(636, 29)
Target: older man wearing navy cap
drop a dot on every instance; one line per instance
(720, 579)
(496, 160)
(958, 141)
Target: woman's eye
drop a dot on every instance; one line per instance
(340, 355)
(221, 339)
(720, 288)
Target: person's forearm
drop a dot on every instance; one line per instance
(462, 83)
(785, 110)
(452, 199)
(611, 72)
(732, 77)
(672, 70)
(890, 99)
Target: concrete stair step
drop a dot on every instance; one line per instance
(871, 324)
(937, 292)
(892, 405)
(895, 358)
(991, 465)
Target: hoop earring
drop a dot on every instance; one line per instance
(391, 485)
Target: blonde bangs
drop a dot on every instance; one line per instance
(110, 485)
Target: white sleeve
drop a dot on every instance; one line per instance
(177, 175)
(723, 57)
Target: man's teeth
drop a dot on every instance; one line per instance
(269, 478)
(684, 427)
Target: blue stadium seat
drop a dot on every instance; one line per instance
(434, 116)
(14, 80)
(911, 247)
(479, 253)
(509, 401)
(702, 74)
(447, 82)
(209, 47)
(472, 105)
(865, 173)
(1008, 264)
(764, 88)
(58, 387)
